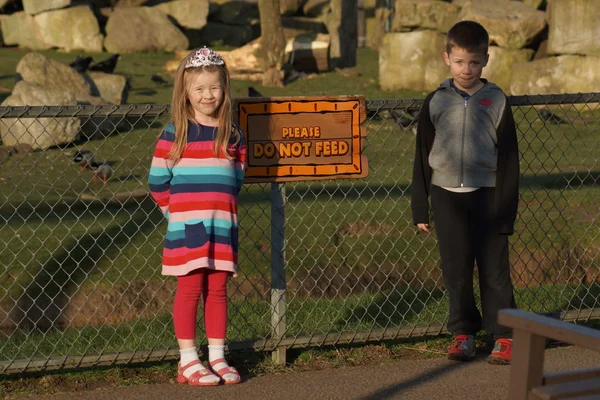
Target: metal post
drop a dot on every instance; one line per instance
(278, 278)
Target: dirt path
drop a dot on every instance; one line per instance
(403, 379)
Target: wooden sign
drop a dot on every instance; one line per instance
(303, 138)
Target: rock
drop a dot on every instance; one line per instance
(574, 27)
(499, 66)
(376, 16)
(229, 35)
(412, 60)
(190, 14)
(562, 74)
(4, 2)
(142, 29)
(316, 8)
(236, 13)
(39, 133)
(70, 29)
(432, 14)
(294, 26)
(110, 87)
(290, 7)
(511, 24)
(533, 3)
(53, 75)
(21, 30)
(542, 50)
(33, 7)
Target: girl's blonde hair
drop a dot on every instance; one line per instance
(182, 111)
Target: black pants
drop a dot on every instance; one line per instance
(467, 231)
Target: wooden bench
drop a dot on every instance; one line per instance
(527, 380)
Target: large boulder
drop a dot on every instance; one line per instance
(39, 133)
(53, 75)
(432, 14)
(501, 61)
(562, 74)
(70, 29)
(290, 7)
(574, 27)
(511, 24)
(142, 29)
(412, 60)
(189, 14)
(33, 7)
(21, 30)
(376, 15)
(110, 87)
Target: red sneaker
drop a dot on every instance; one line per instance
(463, 348)
(502, 352)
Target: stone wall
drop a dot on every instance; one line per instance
(535, 46)
(121, 26)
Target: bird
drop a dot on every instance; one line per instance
(108, 65)
(81, 64)
(546, 115)
(84, 158)
(158, 79)
(102, 170)
(253, 92)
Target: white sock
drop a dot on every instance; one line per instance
(216, 352)
(187, 356)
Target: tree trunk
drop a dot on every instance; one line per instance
(272, 42)
(342, 23)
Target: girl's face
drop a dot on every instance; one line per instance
(205, 94)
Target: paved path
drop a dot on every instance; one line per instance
(402, 379)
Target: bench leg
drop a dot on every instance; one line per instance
(527, 364)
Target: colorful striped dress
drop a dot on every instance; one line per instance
(199, 197)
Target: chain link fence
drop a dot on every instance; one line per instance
(81, 244)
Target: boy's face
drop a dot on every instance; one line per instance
(465, 67)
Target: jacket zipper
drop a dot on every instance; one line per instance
(462, 145)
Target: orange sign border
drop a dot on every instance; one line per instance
(280, 173)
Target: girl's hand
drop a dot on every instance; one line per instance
(423, 227)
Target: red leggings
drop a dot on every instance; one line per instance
(213, 285)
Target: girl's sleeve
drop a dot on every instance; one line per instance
(160, 175)
(240, 161)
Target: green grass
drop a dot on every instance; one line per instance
(250, 319)
(353, 259)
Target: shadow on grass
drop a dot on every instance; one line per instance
(398, 307)
(45, 298)
(566, 180)
(587, 297)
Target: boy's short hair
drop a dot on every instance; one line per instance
(468, 35)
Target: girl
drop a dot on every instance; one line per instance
(196, 174)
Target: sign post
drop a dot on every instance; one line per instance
(298, 139)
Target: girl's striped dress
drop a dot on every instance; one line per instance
(199, 197)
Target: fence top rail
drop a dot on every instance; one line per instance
(155, 110)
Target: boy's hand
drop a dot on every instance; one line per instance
(423, 227)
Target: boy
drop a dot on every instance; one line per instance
(467, 159)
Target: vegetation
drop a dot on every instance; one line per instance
(76, 257)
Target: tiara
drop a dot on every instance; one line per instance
(203, 57)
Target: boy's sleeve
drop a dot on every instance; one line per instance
(160, 175)
(421, 179)
(240, 161)
(507, 175)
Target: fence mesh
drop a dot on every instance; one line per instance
(81, 240)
